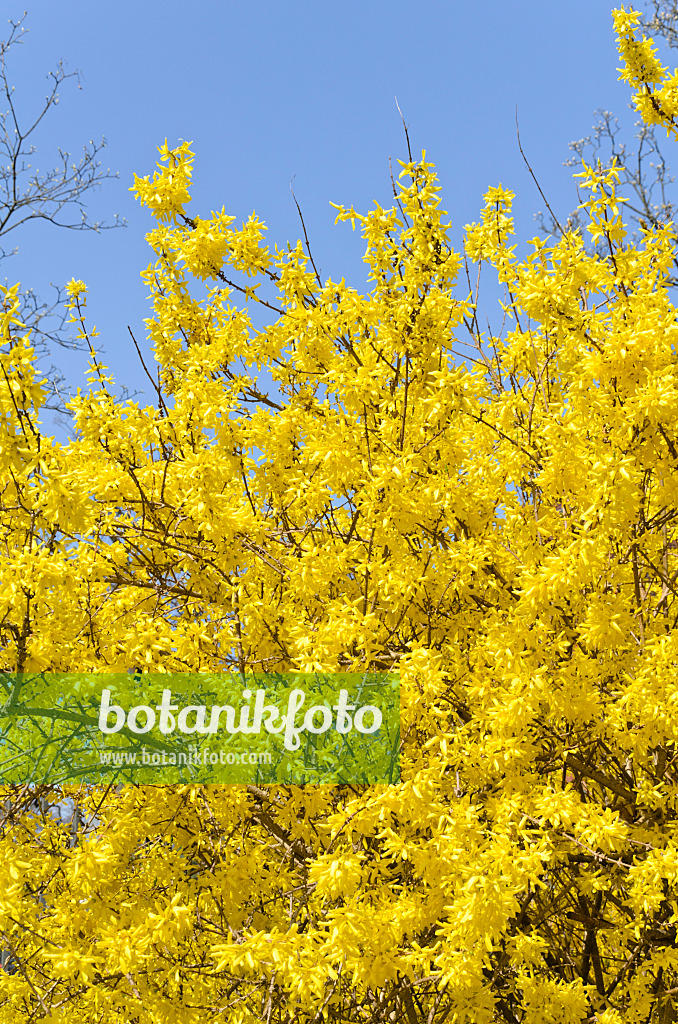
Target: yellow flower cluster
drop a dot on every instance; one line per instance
(656, 90)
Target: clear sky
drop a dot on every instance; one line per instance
(305, 90)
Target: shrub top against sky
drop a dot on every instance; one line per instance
(272, 92)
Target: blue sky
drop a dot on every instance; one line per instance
(306, 90)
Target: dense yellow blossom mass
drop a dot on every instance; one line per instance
(502, 528)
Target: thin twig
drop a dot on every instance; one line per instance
(534, 178)
(308, 244)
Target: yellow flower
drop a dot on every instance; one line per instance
(75, 288)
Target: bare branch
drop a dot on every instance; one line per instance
(56, 195)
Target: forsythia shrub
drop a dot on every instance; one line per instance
(503, 530)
